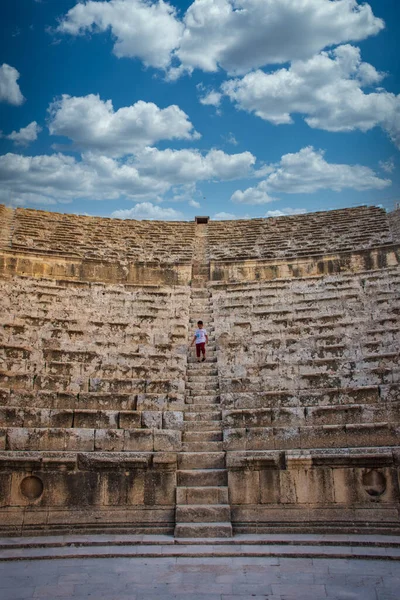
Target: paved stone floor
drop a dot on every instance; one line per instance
(211, 578)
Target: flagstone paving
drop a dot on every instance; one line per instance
(213, 578)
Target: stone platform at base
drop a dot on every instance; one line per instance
(378, 547)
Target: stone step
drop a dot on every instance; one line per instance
(209, 359)
(202, 426)
(202, 416)
(202, 447)
(202, 477)
(198, 393)
(202, 495)
(201, 460)
(203, 530)
(202, 436)
(202, 399)
(202, 513)
(209, 407)
(201, 378)
(201, 369)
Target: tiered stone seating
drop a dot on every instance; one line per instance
(309, 375)
(101, 238)
(300, 235)
(92, 370)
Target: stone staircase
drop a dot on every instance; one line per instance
(202, 503)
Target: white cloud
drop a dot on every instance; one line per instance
(187, 166)
(224, 216)
(194, 203)
(211, 99)
(327, 89)
(253, 195)
(307, 172)
(285, 212)
(25, 135)
(147, 210)
(64, 178)
(148, 176)
(388, 166)
(142, 29)
(94, 125)
(235, 35)
(9, 88)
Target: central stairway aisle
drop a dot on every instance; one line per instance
(202, 502)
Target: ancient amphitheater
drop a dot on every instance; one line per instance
(107, 422)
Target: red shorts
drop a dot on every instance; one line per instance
(201, 348)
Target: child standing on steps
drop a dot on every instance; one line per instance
(201, 339)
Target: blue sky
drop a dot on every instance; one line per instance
(229, 108)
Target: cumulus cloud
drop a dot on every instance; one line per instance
(240, 35)
(186, 166)
(9, 88)
(224, 216)
(194, 203)
(25, 135)
(327, 89)
(147, 176)
(306, 172)
(387, 165)
(211, 99)
(147, 210)
(92, 124)
(235, 35)
(142, 29)
(285, 212)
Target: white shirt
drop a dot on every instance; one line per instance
(200, 335)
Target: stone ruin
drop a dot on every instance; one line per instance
(107, 423)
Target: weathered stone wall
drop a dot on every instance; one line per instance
(394, 222)
(94, 325)
(91, 398)
(310, 390)
(299, 236)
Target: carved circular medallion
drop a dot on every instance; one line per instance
(31, 487)
(374, 483)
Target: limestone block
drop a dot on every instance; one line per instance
(96, 419)
(327, 436)
(159, 488)
(135, 483)
(172, 419)
(288, 417)
(3, 438)
(11, 417)
(269, 486)
(130, 419)
(151, 402)
(244, 486)
(79, 440)
(109, 440)
(377, 434)
(5, 489)
(167, 440)
(287, 437)
(151, 419)
(106, 401)
(234, 439)
(287, 487)
(140, 440)
(260, 438)
(313, 485)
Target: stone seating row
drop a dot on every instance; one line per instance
(62, 439)
(54, 400)
(101, 238)
(312, 436)
(79, 418)
(284, 237)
